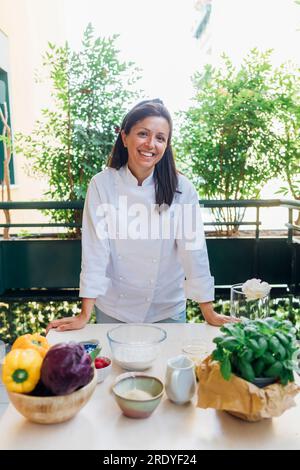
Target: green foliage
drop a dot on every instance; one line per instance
(6, 140)
(287, 91)
(71, 142)
(258, 348)
(228, 141)
(19, 318)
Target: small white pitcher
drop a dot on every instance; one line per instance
(180, 379)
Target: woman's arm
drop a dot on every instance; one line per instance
(212, 317)
(199, 284)
(77, 322)
(95, 257)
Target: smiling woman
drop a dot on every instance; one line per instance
(130, 277)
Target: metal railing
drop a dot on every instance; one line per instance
(290, 240)
(291, 205)
(42, 205)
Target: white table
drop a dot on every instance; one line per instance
(101, 425)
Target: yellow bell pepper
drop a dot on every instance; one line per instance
(21, 370)
(34, 341)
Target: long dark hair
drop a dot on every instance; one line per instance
(165, 174)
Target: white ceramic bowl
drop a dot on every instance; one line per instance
(138, 395)
(103, 373)
(136, 346)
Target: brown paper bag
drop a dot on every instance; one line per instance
(239, 397)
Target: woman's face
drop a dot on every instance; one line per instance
(146, 143)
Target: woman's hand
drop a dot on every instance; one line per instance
(213, 318)
(218, 320)
(74, 323)
(68, 323)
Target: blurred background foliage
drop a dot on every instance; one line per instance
(18, 318)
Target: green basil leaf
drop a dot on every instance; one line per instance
(226, 368)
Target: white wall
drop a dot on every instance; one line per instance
(3, 51)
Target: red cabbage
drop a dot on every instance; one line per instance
(66, 367)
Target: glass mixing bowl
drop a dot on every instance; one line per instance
(135, 346)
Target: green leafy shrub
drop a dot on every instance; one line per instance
(91, 91)
(258, 348)
(287, 96)
(242, 129)
(19, 318)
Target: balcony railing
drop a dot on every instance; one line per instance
(36, 267)
(291, 205)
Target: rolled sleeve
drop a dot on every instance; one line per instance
(200, 289)
(192, 251)
(95, 249)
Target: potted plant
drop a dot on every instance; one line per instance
(258, 351)
(250, 374)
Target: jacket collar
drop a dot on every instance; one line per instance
(132, 180)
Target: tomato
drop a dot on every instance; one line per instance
(101, 362)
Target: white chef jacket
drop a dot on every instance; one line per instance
(140, 280)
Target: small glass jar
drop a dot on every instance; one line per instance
(240, 306)
(196, 350)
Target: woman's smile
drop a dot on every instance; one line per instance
(146, 154)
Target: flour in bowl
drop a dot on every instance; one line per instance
(137, 394)
(135, 359)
